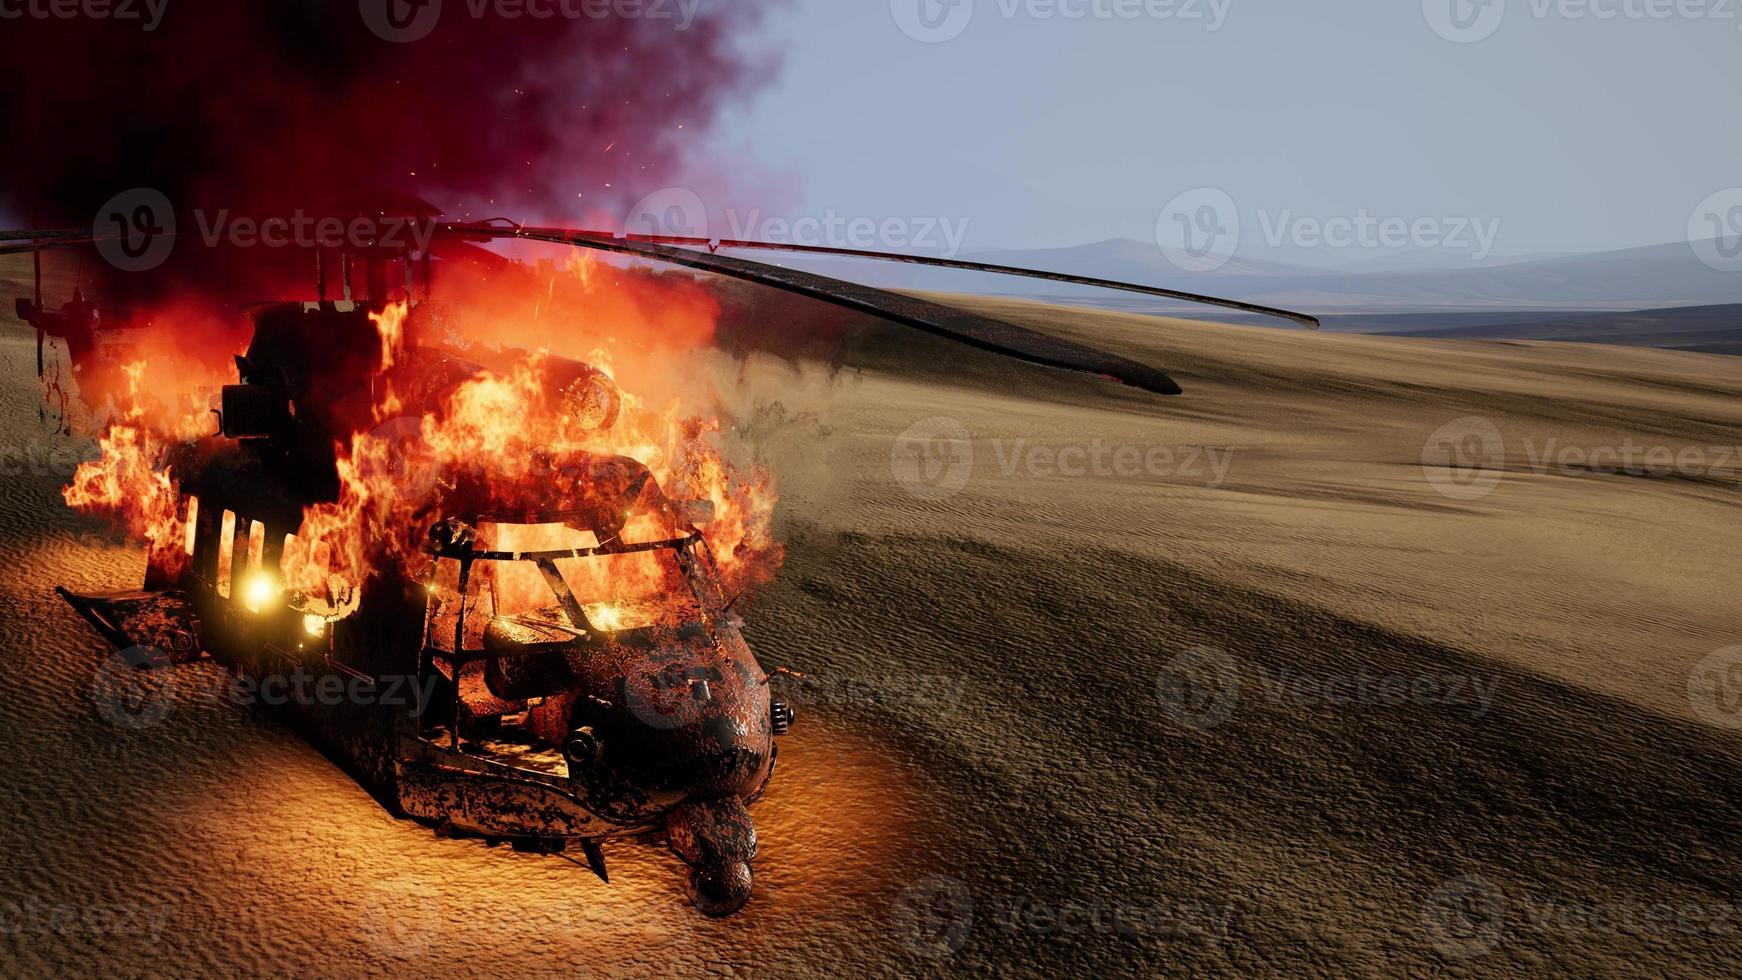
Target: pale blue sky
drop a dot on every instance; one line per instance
(1576, 134)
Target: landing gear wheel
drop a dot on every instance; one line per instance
(720, 889)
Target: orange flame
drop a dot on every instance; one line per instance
(500, 427)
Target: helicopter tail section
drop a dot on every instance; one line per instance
(155, 628)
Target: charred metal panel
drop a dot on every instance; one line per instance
(492, 805)
(161, 621)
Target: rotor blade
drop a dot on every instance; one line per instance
(19, 241)
(934, 318)
(36, 298)
(1310, 322)
(23, 234)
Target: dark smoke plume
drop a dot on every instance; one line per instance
(259, 105)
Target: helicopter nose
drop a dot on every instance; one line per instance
(717, 839)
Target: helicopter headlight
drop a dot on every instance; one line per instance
(581, 748)
(260, 592)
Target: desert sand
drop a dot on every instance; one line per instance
(1273, 698)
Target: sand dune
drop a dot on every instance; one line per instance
(1708, 329)
(1228, 683)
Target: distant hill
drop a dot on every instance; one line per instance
(1710, 329)
(1653, 277)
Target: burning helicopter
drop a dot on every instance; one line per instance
(582, 673)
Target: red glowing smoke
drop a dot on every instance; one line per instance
(258, 105)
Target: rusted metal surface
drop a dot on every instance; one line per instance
(617, 730)
(717, 839)
(492, 806)
(166, 622)
(541, 727)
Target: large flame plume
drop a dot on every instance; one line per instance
(497, 440)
